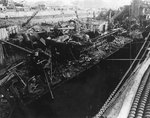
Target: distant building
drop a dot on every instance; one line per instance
(38, 6)
(62, 8)
(140, 7)
(4, 2)
(42, 6)
(10, 4)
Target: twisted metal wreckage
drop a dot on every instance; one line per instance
(35, 61)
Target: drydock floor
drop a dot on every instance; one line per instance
(81, 97)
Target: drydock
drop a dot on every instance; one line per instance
(95, 66)
(131, 98)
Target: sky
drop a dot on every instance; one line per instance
(86, 3)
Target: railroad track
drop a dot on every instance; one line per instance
(141, 105)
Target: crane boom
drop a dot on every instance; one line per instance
(32, 16)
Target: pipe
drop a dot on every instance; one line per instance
(28, 51)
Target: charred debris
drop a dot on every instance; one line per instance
(36, 59)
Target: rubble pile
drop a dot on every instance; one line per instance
(36, 59)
